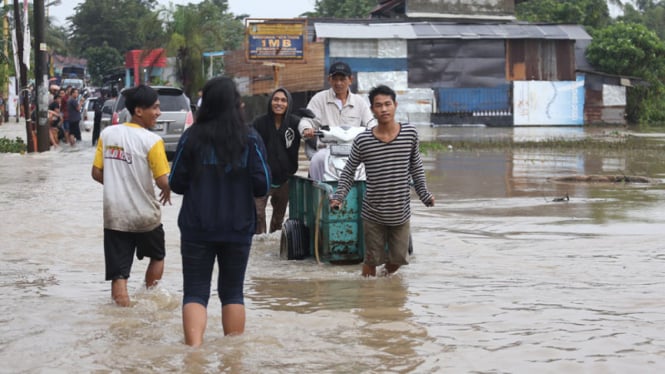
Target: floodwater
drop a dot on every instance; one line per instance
(503, 278)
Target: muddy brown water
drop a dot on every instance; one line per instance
(503, 279)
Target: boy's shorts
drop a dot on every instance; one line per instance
(119, 247)
(386, 244)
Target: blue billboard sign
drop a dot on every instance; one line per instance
(276, 40)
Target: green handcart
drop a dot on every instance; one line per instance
(313, 229)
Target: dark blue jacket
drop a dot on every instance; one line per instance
(219, 207)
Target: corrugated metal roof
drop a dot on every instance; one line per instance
(431, 30)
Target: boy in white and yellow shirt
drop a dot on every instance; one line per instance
(128, 158)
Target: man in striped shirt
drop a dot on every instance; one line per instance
(391, 155)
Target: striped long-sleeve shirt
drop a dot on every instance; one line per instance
(388, 167)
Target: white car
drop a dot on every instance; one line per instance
(88, 113)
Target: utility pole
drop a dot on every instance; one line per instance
(23, 85)
(41, 79)
(5, 28)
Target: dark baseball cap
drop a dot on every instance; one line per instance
(340, 67)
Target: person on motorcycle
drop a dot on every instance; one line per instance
(390, 152)
(335, 106)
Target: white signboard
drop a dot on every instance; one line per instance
(548, 103)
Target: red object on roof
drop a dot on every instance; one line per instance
(154, 58)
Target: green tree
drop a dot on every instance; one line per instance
(632, 49)
(102, 60)
(343, 8)
(650, 14)
(643, 4)
(57, 40)
(198, 28)
(591, 13)
(120, 23)
(628, 49)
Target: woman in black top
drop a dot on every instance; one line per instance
(279, 130)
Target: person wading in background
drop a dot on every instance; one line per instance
(74, 114)
(279, 130)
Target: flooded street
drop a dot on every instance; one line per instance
(504, 279)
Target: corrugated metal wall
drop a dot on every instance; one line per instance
(469, 100)
(540, 60)
(467, 76)
(456, 63)
(605, 100)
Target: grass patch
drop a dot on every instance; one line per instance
(626, 143)
(12, 146)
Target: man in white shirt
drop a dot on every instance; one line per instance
(336, 106)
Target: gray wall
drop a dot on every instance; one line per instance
(456, 63)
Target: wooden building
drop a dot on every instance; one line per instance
(450, 61)
(256, 78)
(606, 97)
(500, 74)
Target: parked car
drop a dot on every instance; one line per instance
(107, 113)
(175, 118)
(88, 113)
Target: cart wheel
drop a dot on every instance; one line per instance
(294, 243)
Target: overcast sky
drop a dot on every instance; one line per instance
(255, 8)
